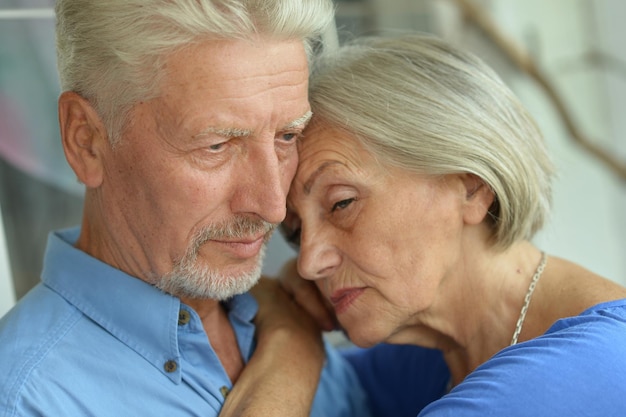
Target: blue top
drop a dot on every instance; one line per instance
(91, 340)
(577, 368)
(401, 380)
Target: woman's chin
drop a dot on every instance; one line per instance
(363, 336)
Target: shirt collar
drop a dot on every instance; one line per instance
(241, 311)
(135, 312)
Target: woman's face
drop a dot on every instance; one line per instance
(378, 241)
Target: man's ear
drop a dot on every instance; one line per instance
(84, 138)
(478, 198)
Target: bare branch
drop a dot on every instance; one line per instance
(523, 61)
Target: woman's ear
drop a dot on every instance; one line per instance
(478, 198)
(84, 138)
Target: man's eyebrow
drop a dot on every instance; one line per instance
(234, 132)
(313, 177)
(227, 132)
(303, 120)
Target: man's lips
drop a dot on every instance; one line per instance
(343, 298)
(243, 248)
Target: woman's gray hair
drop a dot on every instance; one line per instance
(418, 103)
(112, 51)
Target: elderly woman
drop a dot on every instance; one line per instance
(421, 182)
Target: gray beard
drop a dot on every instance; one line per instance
(188, 279)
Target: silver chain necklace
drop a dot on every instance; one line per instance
(529, 294)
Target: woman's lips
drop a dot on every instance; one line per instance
(343, 298)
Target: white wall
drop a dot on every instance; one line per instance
(589, 219)
(588, 223)
(589, 201)
(7, 293)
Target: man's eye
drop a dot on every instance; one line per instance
(340, 205)
(217, 146)
(288, 137)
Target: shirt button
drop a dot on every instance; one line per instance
(170, 366)
(183, 317)
(225, 391)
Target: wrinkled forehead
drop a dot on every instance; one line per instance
(322, 147)
(235, 86)
(260, 63)
(322, 139)
(329, 154)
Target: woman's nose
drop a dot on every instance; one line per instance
(318, 257)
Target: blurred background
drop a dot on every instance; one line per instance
(565, 59)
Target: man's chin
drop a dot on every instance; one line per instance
(197, 277)
(238, 285)
(201, 282)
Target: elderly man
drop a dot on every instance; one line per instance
(180, 117)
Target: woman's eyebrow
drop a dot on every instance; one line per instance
(315, 175)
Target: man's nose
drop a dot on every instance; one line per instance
(264, 184)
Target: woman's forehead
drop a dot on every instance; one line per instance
(323, 141)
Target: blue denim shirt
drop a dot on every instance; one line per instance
(90, 340)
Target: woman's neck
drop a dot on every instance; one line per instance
(486, 297)
(563, 290)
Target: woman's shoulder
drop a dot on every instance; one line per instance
(577, 361)
(595, 338)
(615, 308)
(600, 321)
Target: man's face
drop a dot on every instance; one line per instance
(194, 189)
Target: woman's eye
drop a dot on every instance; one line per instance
(292, 236)
(340, 205)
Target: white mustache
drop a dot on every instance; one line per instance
(238, 228)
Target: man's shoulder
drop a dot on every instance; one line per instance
(38, 317)
(57, 360)
(30, 332)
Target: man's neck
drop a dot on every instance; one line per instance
(220, 333)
